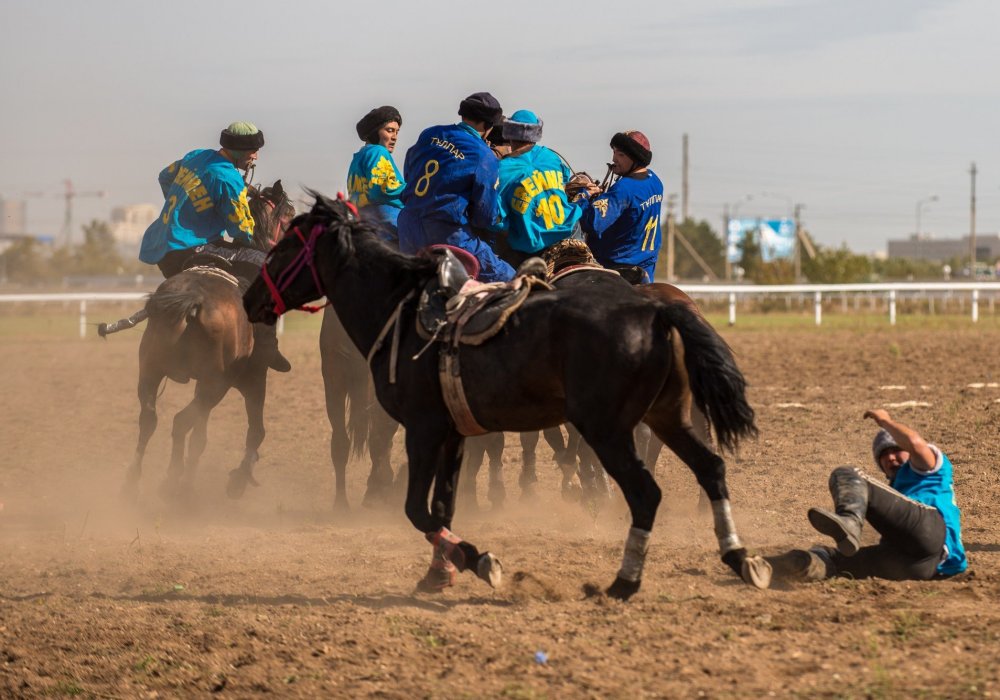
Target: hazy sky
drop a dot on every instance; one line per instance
(856, 109)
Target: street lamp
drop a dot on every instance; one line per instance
(920, 207)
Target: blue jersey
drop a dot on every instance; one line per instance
(935, 489)
(623, 224)
(451, 177)
(205, 198)
(534, 208)
(373, 180)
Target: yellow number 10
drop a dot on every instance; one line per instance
(551, 211)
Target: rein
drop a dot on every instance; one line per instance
(305, 258)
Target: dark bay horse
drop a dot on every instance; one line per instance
(356, 419)
(197, 329)
(598, 356)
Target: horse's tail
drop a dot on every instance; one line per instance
(175, 306)
(718, 385)
(359, 411)
(122, 324)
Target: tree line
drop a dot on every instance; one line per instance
(29, 262)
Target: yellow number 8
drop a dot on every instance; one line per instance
(424, 183)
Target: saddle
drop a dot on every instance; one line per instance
(454, 308)
(569, 256)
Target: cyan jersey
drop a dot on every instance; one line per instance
(373, 180)
(534, 208)
(205, 198)
(623, 224)
(936, 489)
(451, 176)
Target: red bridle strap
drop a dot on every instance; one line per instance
(305, 258)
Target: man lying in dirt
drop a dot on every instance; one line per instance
(916, 516)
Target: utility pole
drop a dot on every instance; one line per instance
(684, 180)
(972, 224)
(725, 242)
(798, 245)
(671, 257)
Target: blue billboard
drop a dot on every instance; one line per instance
(776, 238)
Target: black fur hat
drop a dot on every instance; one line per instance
(241, 136)
(635, 145)
(373, 121)
(481, 106)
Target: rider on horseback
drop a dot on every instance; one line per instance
(206, 197)
(373, 180)
(451, 187)
(622, 224)
(534, 208)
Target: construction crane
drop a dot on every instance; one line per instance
(69, 193)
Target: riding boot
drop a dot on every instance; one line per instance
(814, 564)
(265, 341)
(850, 500)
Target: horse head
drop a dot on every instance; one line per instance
(272, 210)
(291, 277)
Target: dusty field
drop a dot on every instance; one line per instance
(275, 594)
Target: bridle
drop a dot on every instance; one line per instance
(305, 258)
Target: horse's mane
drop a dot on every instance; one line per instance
(357, 237)
(267, 206)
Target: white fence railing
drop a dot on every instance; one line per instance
(83, 298)
(890, 290)
(732, 292)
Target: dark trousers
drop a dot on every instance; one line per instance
(912, 542)
(244, 262)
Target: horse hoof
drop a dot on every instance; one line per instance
(236, 487)
(622, 589)
(734, 560)
(489, 569)
(437, 579)
(757, 572)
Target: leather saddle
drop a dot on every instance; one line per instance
(454, 311)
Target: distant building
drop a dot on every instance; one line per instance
(128, 223)
(13, 216)
(941, 249)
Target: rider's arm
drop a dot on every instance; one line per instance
(167, 177)
(922, 457)
(484, 207)
(600, 213)
(232, 203)
(386, 181)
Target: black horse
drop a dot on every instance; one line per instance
(597, 355)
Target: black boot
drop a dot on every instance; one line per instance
(265, 341)
(850, 500)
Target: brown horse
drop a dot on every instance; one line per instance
(198, 330)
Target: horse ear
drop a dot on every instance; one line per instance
(278, 188)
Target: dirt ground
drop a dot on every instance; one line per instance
(276, 594)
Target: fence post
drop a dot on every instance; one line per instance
(83, 319)
(975, 305)
(892, 307)
(819, 307)
(732, 308)
(280, 325)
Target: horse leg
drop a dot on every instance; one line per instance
(254, 392)
(710, 471)
(194, 416)
(472, 462)
(382, 430)
(149, 383)
(439, 461)
(529, 475)
(497, 493)
(621, 461)
(335, 391)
